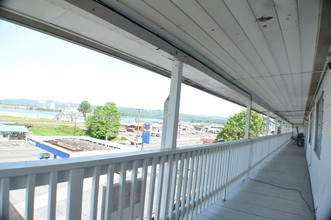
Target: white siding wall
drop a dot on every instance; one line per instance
(320, 168)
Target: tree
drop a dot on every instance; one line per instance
(234, 128)
(104, 123)
(84, 108)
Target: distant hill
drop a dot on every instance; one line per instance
(125, 111)
(158, 114)
(36, 103)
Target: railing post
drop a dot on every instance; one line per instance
(267, 125)
(169, 131)
(248, 118)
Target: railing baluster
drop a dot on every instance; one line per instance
(179, 200)
(159, 190)
(29, 197)
(52, 188)
(185, 191)
(143, 190)
(168, 175)
(4, 197)
(108, 207)
(75, 190)
(121, 197)
(94, 193)
(227, 172)
(151, 190)
(237, 165)
(213, 174)
(133, 190)
(199, 180)
(203, 181)
(190, 189)
(195, 185)
(220, 173)
(173, 185)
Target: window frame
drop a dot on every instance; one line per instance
(311, 126)
(319, 126)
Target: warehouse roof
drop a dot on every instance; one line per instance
(13, 128)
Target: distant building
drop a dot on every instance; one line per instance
(70, 114)
(13, 132)
(73, 146)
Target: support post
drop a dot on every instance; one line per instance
(282, 127)
(276, 126)
(248, 118)
(171, 113)
(268, 123)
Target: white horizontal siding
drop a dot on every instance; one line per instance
(320, 178)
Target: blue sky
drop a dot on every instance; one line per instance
(38, 66)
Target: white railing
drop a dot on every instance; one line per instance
(159, 184)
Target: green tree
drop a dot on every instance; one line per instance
(279, 129)
(104, 123)
(234, 128)
(84, 108)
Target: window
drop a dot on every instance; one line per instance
(319, 123)
(311, 126)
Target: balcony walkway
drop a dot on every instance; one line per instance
(280, 189)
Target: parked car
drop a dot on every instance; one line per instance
(45, 156)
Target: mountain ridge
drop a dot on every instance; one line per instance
(125, 111)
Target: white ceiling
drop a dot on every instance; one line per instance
(235, 49)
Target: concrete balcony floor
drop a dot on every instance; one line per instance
(278, 189)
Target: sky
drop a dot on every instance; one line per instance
(37, 66)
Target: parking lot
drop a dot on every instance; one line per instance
(19, 150)
(183, 139)
(15, 151)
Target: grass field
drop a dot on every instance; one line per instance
(46, 127)
(61, 130)
(49, 127)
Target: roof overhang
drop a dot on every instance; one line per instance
(267, 51)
